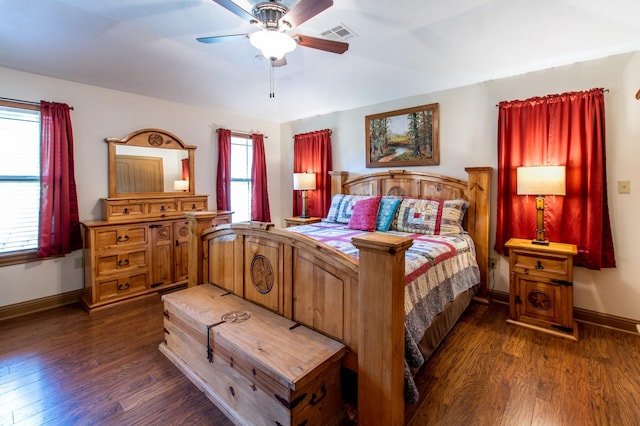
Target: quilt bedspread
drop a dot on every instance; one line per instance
(438, 268)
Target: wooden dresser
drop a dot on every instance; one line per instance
(126, 259)
(141, 246)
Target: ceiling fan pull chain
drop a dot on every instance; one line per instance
(271, 84)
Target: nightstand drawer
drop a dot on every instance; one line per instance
(543, 265)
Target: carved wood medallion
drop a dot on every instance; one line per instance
(539, 300)
(262, 274)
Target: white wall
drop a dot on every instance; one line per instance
(468, 119)
(468, 134)
(101, 113)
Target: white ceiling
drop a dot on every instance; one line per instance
(401, 48)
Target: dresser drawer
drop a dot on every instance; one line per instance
(543, 265)
(193, 204)
(116, 288)
(108, 264)
(120, 236)
(160, 207)
(125, 209)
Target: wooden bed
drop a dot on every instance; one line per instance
(319, 287)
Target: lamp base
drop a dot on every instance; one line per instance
(303, 214)
(540, 242)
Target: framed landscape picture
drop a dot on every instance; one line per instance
(406, 137)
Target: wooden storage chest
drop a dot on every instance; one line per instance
(258, 367)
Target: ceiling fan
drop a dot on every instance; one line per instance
(274, 19)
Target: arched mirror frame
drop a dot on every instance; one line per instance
(150, 138)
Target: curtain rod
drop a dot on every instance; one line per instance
(20, 101)
(244, 132)
(309, 133)
(605, 91)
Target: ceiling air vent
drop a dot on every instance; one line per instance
(338, 33)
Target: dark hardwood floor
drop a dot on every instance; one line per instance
(66, 367)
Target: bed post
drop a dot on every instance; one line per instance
(198, 222)
(337, 181)
(478, 221)
(381, 328)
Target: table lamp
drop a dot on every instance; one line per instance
(181, 185)
(541, 181)
(304, 182)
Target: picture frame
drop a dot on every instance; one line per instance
(405, 137)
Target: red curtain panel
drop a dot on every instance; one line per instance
(185, 169)
(59, 219)
(312, 154)
(566, 130)
(259, 194)
(223, 179)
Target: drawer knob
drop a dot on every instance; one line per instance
(123, 286)
(123, 262)
(125, 211)
(123, 239)
(539, 266)
(193, 206)
(161, 208)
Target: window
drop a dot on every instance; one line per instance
(241, 161)
(19, 180)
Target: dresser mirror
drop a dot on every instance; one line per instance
(150, 162)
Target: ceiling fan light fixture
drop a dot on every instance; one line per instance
(273, 44)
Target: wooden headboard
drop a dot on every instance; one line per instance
(476, 190)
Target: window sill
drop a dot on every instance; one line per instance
(18, 257)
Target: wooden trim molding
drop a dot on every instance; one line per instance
(37, 305)
(584, 315)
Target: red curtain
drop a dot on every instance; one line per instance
(223, 181)
(566, 130)
(259, 195)
(185, 169)
(59, 219)
(312, 154)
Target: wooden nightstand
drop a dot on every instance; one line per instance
(297, 221)
(541, 286)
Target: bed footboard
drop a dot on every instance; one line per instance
(315, 285)
(290, 274)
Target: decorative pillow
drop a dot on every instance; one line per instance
(432, 217)
(346, 207)
(394, 221)
(364, 214)
(386, 212)
(332, 215)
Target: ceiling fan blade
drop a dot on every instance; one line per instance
(222, 38)
(279, 62)
(321, 43)
(305, 10)
(236, 10)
